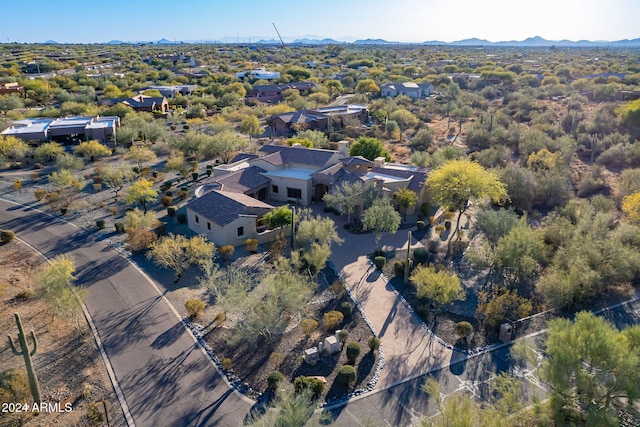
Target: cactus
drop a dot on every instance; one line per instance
(24, 347)
(407, 264)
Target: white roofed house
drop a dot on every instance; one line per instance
(410, 89)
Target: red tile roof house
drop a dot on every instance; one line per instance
(226, 207)
(11, 88)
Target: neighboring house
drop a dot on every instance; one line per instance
(142, 103)
(258, 74)
(11, 88)
(273, 93)
(323, 118)
(228, 218)
(173, 91)
(67, 130)
(410, 89)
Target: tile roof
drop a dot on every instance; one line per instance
(243, 156)
(243, 180)
(299, 154)
(223, 207)
(419, 176)
(355, 160)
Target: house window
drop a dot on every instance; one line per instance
(208, 225)
(294, 193)
(240, 231)
(274, 189)
(197, 219)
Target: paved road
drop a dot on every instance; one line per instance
(165, 377)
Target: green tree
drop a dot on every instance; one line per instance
(69, 161)
(500, 303)
(66, 184)
(381, 218)
(13, 149)
(369, 148)
(349, 198)
(56, 287)
(406, 199)
(250, 126)
(47, 151)
(318, 138)
(92, 149)
(367, 86)
(8, 103)
(458, 182)
(116, 177)
(319, 229)
(178, 253)
(278, 217)
(440, 287)
(138, 219)
(405, 119)
(139, 155)
(519, 252)
(141, 191)
(592, 365)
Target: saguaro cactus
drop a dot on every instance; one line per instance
(26, 354)
(407, 264)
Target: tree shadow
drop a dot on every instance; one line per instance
(169, 336)
(364, 368)
(457, 367)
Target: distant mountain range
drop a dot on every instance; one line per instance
(536, 41)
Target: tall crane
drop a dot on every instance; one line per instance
(279, 36)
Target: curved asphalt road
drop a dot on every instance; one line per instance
(165, 377)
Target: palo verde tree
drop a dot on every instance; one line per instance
(178, 253)
(141, 191)
(381, 218)
(116, 177)
(438, 286)
(92, 149)
(457, 183)
(48, 151)
(139, 155)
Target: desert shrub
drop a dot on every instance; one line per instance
(439, 229)
(226, 251)
(276, 358)
(420, 225)
(315, 385)
(347, 375)
(194, 307)
(119, 227)
(220, 318)
(346, 308)
(448, 215)
(182, 218)
(171, 210)
(374, 343)
(100, 224)
(94, 415)
(463, 329)
(332, 319)
(251, 245)
(308, 326)
(379, 262)
(139, 239)
(227, 364)
(353, 351)
(398, 268)
(40, 194)
(337, 289)
(113, 210)
(274, 379)
(14, 386)
(420, 256)
(183, 194)
(25, 295)
(343, 334)
(166, 201)
(6, 236)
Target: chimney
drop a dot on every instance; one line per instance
(378, 162)
(343, 148)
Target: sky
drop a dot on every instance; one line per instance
(89, 21)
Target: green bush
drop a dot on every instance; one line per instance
(183, 194)
(343, 335)
(420, 256)
(274, 379)
(420, 225)
(227, 364)
(226, 251)
(119, 227)
(347, 375)
(379, 262)
(315, 385)
(14, 386)
(353, 351)
(463, 329)
(424, 209)
(171, 210)
(398, 268)
(40, 194)
(374, 343)
(25, 295)
(168, 193)
(100, 224)
(308, 326)
(332, 319)
(182, 218)
(6, 236)
(346, 308)
(194, 307)
(195, 175)
(166, 201)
